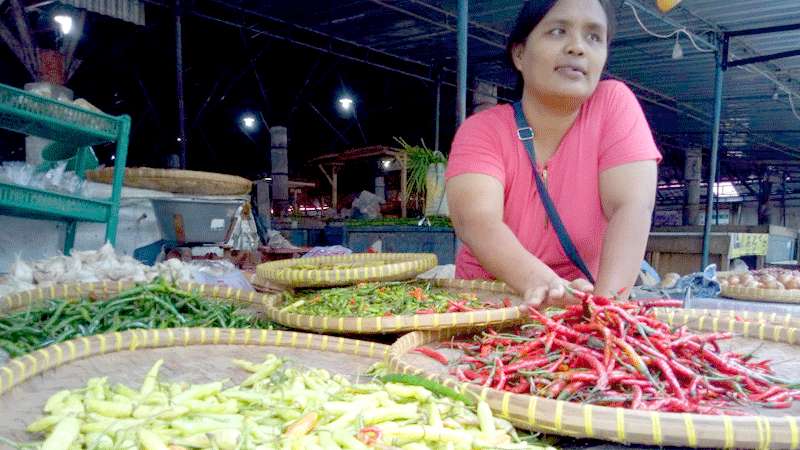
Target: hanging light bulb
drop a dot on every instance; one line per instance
(677, 50)
(666, 5)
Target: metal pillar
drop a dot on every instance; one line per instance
(463, 27)
(721, 56)
(692, 174)
(437, 119)
(179, 83)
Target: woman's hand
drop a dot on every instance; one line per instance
(555, 293)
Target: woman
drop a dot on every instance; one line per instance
(594, 154)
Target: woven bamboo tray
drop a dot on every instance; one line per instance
(772, 429)
(195, 355)
(396, 266)
(678, 317)
(177, 181)
(488, 290)
(106, 289)
(762, 295)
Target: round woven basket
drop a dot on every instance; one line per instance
(105, 289)
(487, 290)
(195, 355)
(177, 181)
(771, 429)
(677, 317)
(762, 295)
(364, 267)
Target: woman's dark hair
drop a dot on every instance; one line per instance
(533, 11)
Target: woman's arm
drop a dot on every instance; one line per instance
(476, 208)
(628, 196)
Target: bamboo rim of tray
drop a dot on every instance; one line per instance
(106, 289)
(176, 180)
(397, 324)
(622, 424)
(17, 370)
(673, 319)
(399, 266)
(762, 295)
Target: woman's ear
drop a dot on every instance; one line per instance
(516, 55)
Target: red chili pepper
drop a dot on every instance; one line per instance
(431, 353)
(658, 303)
(426, 311)
(636, 402)
(586, 355)
(553, 325)
(526, 364)
(369, 435)
(555, 388)
(500, 374)
(523, 386)
(768, 393)
(671, 380)
(507, 302)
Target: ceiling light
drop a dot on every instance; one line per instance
(249, 121)
(346, 103)
(64, 22)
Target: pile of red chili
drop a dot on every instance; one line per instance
(619, 354)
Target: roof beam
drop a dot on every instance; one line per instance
(764, 30)
(763, 58)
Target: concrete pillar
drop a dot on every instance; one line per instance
(35, 144)
(692, 173)
(380, 188)
(484, 96)
(280, 170)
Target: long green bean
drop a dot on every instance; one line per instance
(155, 305)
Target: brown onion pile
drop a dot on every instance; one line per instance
(771, 278)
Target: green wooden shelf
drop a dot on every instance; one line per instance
(35, 115)
(52, 205)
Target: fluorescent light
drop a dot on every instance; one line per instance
(346, 103)
(65, 22)
(249, 121)
(386, 163)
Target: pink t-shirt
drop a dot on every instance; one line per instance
(610, 130)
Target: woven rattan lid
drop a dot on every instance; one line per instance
(177, 181)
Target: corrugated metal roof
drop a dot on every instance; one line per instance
(418, 35)
(127, 10)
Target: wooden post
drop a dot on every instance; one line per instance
(335, 198)
(403, 181)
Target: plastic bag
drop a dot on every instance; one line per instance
(328, 251)
(435, 195)
(219, 273)
(368, 204)
(57, 179)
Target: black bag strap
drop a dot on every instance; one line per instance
(525, 134)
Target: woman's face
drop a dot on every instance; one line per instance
(565, 53)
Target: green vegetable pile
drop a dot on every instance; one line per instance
(384, 299)
(155, 305)
(436, 221)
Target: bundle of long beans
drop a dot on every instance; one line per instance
(155, 305)
(619, 354)
(385, 299)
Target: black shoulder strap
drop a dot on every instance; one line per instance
(525, 134)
